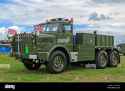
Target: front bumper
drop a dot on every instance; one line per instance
(42, 56)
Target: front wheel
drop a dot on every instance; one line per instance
(57, 62)
(30, 65)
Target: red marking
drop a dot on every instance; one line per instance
(12, 32)
(38, 28)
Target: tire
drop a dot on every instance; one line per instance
(114, 58)
(101, 59)
(30, 65)
(55, 65)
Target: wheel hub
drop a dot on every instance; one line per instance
(58, 62)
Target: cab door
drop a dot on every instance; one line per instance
(64, 36)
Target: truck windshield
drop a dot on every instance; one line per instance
(50, 27)
(54, 27)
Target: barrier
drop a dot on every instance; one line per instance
(5, 50)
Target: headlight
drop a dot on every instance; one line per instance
(32, 56)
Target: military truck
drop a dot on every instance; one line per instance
(57, 47)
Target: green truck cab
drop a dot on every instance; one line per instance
(57, 46)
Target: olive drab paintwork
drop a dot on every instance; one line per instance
(86, 46)
(80, 47)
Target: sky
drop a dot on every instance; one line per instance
(105, 15)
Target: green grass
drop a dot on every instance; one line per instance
(18, 73)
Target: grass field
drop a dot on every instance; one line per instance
(18, 73)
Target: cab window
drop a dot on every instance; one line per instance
(51, 27)
(67, 27)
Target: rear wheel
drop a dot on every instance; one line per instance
(114, 58)
(57, 62)
(30, 65)
(101, 59)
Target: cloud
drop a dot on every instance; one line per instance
(15, 28)
(2, 30)
(35, 11)
(96, 17)
(109, 1)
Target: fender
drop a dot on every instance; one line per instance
(58, 46)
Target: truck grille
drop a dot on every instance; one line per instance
(23, 40)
